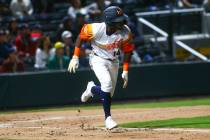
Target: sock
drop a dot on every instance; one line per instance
(105, 97)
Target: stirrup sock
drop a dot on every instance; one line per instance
(105, 97)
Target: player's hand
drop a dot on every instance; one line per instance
(74, 64)
(125, 78)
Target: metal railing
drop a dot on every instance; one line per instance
(164, 36)
(192, 51)
(153, 27)
(164, 12)
(206, 23)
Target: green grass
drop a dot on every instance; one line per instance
(196, 122)
(161, 104)
(122, 105)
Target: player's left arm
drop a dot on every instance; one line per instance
(86, 34)
(127, 48)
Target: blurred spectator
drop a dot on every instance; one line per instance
(43, 6)
(117, 2)
(4, 8)
(164, 4)
(4, 45)
(190, 3)
(67, 25)
(21, 8)
(59, 61)
(79, 22)
(153, 5)
(206, 6)
(25, 46)
(148, 58)
(12, 63)
(22, 41)
(68, 43)
(75, 8)
(13, 29)
(42, 53)
(85, 51)
(135, 58)
(96, 9)
(35, 35)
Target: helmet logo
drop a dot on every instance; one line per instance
(119, 12)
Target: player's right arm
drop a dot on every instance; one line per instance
(127, 48)
(86, 34)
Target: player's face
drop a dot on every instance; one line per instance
(113, 27)
(117, 25)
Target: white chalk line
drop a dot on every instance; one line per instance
(157, 129)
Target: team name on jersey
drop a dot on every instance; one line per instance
(115, 44)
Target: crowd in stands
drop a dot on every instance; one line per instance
(40, 34)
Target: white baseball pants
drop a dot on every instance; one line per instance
(106, 71)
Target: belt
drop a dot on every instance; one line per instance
(104, 58)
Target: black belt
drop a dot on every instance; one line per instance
(104, 58)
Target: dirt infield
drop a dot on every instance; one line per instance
(88, 124)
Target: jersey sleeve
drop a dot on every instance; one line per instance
(86, 32)
(127, 46)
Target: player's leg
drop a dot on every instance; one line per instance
(104, 92)
(87, 93)
(102, 72)
(113, 71)
(114, 74)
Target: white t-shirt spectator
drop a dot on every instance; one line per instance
(72, 12)
(21, 8)
(41, 59)
(94, 6)
(52, 52)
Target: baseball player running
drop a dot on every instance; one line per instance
(107, 40)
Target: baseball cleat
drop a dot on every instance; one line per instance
(87, 93)
(110, 123)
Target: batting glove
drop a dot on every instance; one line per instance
(125, 78)
(74, 64)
